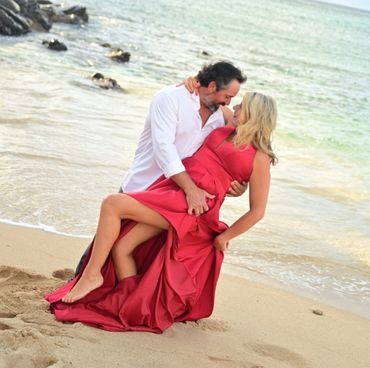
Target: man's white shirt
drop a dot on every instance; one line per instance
(173, 131)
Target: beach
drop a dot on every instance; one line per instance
(65, 143)
(253, 325)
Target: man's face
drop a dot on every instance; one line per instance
(213, 98)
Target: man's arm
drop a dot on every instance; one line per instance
(163, 115)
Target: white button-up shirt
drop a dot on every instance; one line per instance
(173, 131)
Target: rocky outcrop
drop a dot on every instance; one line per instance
(21, 16)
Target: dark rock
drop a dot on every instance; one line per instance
(79, 11)
(72, 15)
(120, 55)
(105, 44)
(66, 18)
(12, 23)
(20, 16)
(97, 76)
(31, 9)
(41, 19)
(11, 5)
(105, 82)
(205, 53)
(54, 44)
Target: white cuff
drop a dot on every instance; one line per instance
(174, 168)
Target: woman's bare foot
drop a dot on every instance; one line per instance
(84, 286)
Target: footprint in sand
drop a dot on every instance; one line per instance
(4, 326)
(210, 325)
(29, 334)
(226, 362)
(8, 315)
(279, 353)
(64, 274)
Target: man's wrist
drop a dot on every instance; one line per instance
(189, 187)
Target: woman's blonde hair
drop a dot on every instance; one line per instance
(256, 123)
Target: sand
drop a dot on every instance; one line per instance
(253, 325)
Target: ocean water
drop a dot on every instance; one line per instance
(65, 143)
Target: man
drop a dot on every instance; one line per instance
(177, 124)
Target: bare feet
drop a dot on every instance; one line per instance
(85, 285)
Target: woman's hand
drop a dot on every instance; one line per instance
(221, 243)
(236, 189)
(191, 84)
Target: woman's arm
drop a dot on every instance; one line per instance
(228, 115)
(259, 185)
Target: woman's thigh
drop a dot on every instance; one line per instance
(131, 209)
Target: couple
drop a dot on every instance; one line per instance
(158, 249)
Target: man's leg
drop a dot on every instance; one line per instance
(82, 260)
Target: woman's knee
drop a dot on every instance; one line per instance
(116, 203)
(109, 202)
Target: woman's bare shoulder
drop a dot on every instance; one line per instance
(262, 159)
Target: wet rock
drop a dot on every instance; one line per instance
(205, 53)
(318, 312)
(32, 10)
(120, 55)
(78, 11)
(72, 15)
(21, 16)
(54, 44)
(105, 82)
(11, 5)
(12, 23)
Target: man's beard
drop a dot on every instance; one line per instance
(214, 106)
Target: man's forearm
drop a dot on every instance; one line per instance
(184, 181)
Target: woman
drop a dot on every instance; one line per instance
(152, 263)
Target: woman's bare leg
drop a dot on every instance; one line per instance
(122, 251)
(113, 209)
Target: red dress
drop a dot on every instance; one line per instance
(179, 268)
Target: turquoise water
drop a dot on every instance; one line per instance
(65, 143)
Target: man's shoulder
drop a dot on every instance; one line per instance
(175, 93)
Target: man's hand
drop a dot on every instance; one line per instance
(236, 189)
(197, 200)
(195, 196)
(220, 243)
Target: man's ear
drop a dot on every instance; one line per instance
(212, 87)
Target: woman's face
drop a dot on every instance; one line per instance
(237, 110)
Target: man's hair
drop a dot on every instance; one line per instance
(222, 73)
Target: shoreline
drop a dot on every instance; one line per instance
(228, 269)
(253, 325)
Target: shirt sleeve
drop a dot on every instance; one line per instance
(163, 116)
